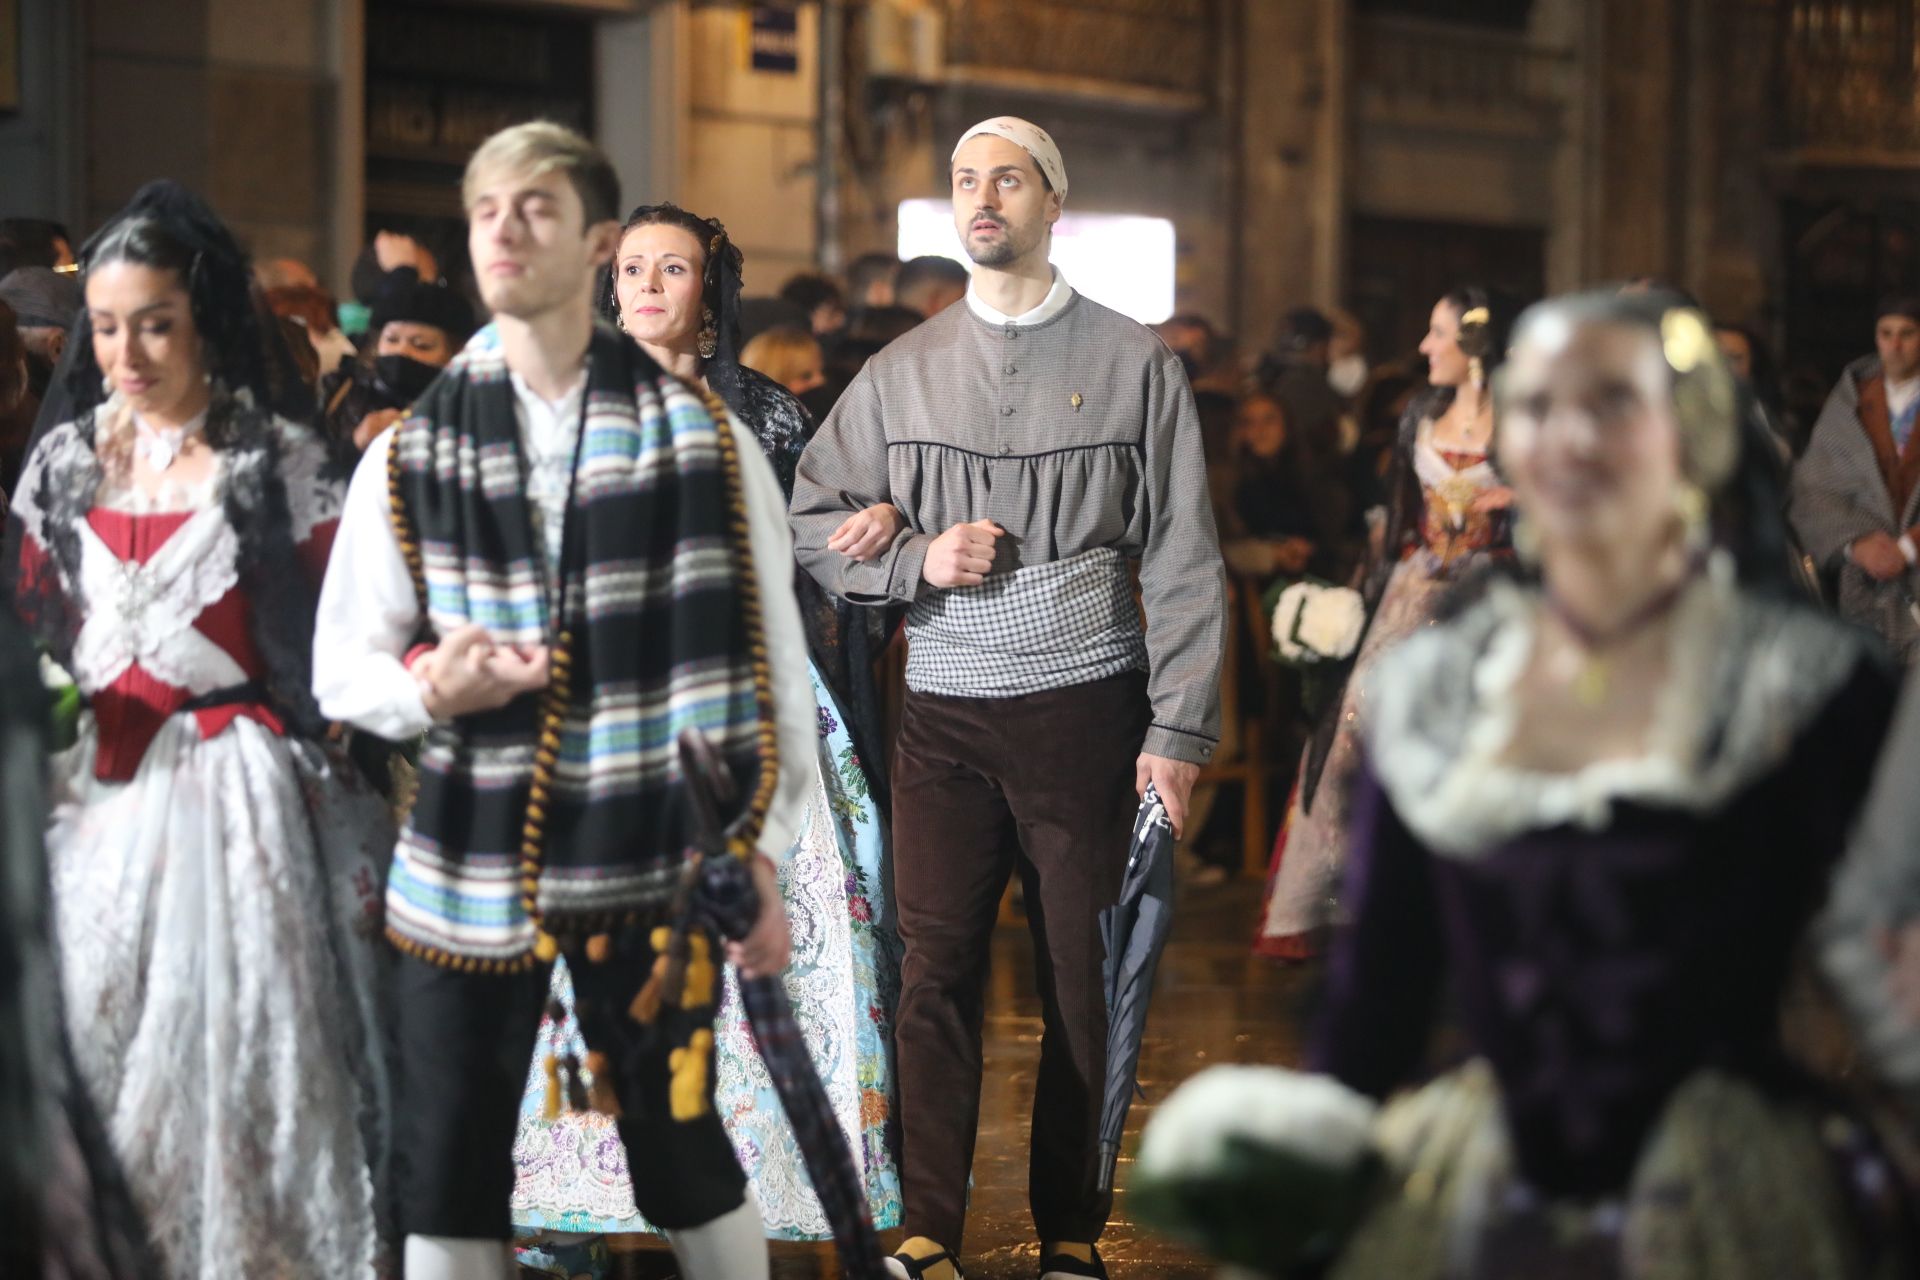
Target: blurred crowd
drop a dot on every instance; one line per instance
(1303, 430)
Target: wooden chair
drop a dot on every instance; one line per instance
(1243, 757)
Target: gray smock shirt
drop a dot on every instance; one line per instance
(1073, 429)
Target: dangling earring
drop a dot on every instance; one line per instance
(709, 335)
(620, 321)
(1477, 372)
(106, 385)
(1690, 504)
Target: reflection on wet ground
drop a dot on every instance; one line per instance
(1215, 1003)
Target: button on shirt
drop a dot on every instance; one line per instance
(1069, 426)
(549, 438)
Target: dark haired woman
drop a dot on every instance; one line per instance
(1602, 806)
(415, 330)
(1449, 512)
(215, 874)
(675, 290)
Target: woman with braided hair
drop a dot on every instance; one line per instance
(1448, 513)
(674, 289)
(215, 867)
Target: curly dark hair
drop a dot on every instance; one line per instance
(720, 283)
(169, 228)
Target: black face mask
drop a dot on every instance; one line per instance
(401, 379)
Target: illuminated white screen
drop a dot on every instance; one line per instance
(1120, 260)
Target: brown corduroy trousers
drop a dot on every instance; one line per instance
(1042, 785)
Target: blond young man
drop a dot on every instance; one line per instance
(525, 573)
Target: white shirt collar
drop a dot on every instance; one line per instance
(533, 400)
(1900, 393)
(1050, 306)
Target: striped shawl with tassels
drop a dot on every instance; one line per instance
(562, 814)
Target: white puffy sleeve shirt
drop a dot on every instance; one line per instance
(369, 616)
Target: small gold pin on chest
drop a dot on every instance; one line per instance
(1077, 401)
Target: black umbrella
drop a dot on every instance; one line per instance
(725, 899)
(1135, 931)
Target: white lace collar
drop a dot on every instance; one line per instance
(118, 492)
(1744, 677)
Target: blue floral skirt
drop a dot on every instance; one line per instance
(571, 1173)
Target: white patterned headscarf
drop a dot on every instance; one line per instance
(1037, 142)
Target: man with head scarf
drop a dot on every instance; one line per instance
(995, 470)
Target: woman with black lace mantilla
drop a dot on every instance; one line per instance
(675, 290)
(215, 864)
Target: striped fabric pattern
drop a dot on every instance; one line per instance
(651, 619)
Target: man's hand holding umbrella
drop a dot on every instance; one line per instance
(1172, 780)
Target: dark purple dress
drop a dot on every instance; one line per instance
(1597, 966)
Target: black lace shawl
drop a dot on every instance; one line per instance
(843, 639)
(280, 590)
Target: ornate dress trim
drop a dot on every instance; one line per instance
(1745, 676)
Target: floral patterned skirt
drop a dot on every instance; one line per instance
(1310, 852)
(843, 982)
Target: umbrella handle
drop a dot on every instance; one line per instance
(707, 785)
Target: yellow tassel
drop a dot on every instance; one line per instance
(600, 1093)
(701, 974)
(599, 947)
(551, 1108)
(545, 949)
(688, 1090)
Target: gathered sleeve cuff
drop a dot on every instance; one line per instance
(1183, 580)
(844, 470)
(369, 615)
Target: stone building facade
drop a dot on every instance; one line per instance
(1357, 152)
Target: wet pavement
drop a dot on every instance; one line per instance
(1214, 1003)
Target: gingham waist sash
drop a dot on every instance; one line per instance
(1047, 626)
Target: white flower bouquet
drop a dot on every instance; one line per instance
(1260, 1167)
(1316, 628)
(1315, 622)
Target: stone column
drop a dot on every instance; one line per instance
(1292, 201)
(1640, 131)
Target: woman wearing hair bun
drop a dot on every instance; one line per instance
(1601, 805)
(216, 870)
(1448, 515)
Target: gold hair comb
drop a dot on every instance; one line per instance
(1479, 315)
(1684, 336)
